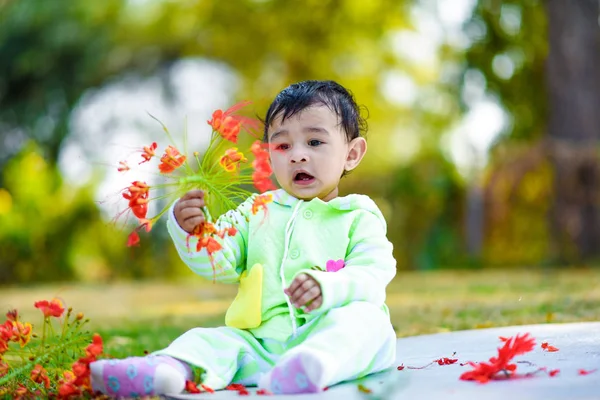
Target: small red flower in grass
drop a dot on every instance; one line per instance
(586, 372)
(52, 308)
(191, 387)
(549, 348)
(12, 315)
(21, 333)
(39, 375)
(514, 346)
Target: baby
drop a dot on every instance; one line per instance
(312, 271)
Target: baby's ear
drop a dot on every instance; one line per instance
(356, 151)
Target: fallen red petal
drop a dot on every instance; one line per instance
(586, 372)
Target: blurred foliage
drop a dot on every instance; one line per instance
(53, 54)
(50, 231)
(509, 45)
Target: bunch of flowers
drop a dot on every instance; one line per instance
(53, 365)
(223, 172)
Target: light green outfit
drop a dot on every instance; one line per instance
(350, 333)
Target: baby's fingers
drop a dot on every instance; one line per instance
(309, 296)
(316, 303)
(298, 281)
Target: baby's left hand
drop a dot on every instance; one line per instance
(305, 292)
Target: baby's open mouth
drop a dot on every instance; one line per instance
(303, 177)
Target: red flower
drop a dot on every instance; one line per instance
(21, 390)
(133, 239)
(148, 152)
(6, 332)
(12, 315)
(80, 368)
(171, 160)
(231, 159)
(68, 389)
(67, 386)
(228, 124)
(514, 346)
(123, 166)
(548, 348)
(21, 333)
(96, 347)
(191, 387)
(137, 195)
(39, 375)
(53, 308)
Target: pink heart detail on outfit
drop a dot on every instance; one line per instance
(334, 266)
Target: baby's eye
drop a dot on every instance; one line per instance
(282, 146)
(314, 142)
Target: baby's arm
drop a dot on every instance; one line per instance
(230, 261)
(369, 266)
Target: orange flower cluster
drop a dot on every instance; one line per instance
(226, 126)
(75, 382)
(13, 330)
(229, 124)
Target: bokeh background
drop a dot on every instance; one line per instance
(484, 121)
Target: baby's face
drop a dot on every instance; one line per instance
(309, 153)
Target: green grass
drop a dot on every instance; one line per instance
(137, 317)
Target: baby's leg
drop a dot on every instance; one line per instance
(139, 376)
(344, 343)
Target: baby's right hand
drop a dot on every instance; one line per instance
(188, 212)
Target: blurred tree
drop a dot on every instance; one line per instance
(52, 53)
(539, 59)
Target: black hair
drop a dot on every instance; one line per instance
(302, 95)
